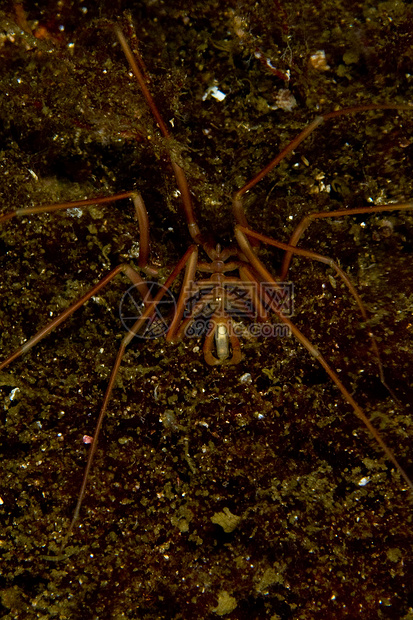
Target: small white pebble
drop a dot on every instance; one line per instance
(246, 378)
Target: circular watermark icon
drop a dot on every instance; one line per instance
(138, 300)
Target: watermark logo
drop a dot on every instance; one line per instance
(238, 300)
(247, 305)
(138, 299)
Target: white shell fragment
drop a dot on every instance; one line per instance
(318, 61)
(214, 92)
(285, 100)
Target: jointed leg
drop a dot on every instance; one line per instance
(133, 276)
(238, 208)
(311, 217)
(241, 235)
(147, 314)
(246, 232)
(140, 212)
(240, 216)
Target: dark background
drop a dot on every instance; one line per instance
(182, 441)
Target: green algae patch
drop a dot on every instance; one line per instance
(226, 604)
(228, 521)
(269, 578)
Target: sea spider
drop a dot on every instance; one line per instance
(171, 422)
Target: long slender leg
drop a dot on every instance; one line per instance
(314, 352)
(148, 313)
(61, 206)
(190, 257)
(238, 208)
(151, 306)
(240, 216)
(237, 205)
(126, 269)
(180, 177)
(311, 217)
(134, 277)
(306, 253)
(140, 212)
(184, 294)
(345, 279)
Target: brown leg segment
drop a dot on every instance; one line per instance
(311, 217)
(238, 208)
(344, 278)
(241, 235)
